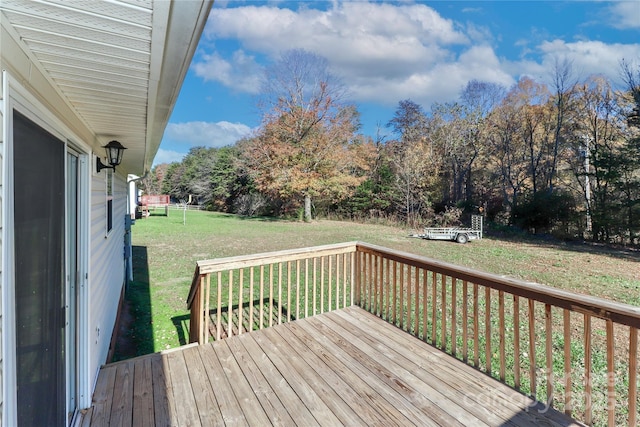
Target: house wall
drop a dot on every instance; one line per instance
(106, 268)
(1, 256)
(105, 263)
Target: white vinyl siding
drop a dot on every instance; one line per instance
(106, 277)
(1, 206)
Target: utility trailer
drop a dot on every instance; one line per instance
(457, 234)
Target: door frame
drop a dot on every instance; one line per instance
(17, 97)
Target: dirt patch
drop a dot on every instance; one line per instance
(125, 346)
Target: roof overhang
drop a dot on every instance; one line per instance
(117, 64)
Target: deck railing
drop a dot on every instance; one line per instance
(576, 353)
(257, 291)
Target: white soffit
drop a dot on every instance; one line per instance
(108, 59)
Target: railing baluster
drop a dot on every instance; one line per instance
(230, 306)
(288, 291)
(387, 283)
(330, 274)
(279, 293)
(395, 296)
(297, 289)
(270, 295)
(501, 327)
(366, 283)
(487, 328)
(532, 349)
(322, 284)
(454, 320)
(306, 287)
(434, 308)
(198, 302)
(409, 307)
(588, 400)
(240, 300)
(568, 407)
(465, 321)
(219, 308)
(261, 296)
(206, 308)
(425, 313)
(355, 279)
(416, 302)
(476, 327)
(380, 286)
(251, 279)
(374, 285)
(315, 285)
(443, 304)
(611, 379)
(337, 282)
(401, 294)
(549, 353)
(516, 341)
(371, 283)
(633, 376)
(345, 264)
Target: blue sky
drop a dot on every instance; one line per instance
(389, 51)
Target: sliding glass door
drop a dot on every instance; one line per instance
(39, 223)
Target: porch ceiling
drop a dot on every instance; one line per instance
(118, 64)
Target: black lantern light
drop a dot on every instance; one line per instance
(114, 155)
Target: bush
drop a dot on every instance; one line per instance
(253, 204)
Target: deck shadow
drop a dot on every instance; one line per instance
(135, 334)
(279, 314)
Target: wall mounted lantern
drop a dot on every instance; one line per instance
(114, 155)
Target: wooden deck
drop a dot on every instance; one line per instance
(346, 367)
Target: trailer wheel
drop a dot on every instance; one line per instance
(462, 238)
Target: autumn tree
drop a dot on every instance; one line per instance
(151, 183)
(306, 147)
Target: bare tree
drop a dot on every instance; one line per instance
(564, 88)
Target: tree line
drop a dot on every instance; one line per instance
(560, 157)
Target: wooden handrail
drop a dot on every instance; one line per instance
(624, 314)
(256, 260)
(511, 329)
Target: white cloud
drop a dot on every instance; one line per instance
(362, 30)
(625, 14)
(437, 83)
(206, 134)
(241, 72)
(383, 52)
(167, 156)
(589, 57)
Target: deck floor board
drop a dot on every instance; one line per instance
(345, 367)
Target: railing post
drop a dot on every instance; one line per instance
(200, 298)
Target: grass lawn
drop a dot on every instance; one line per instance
(166, 250)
